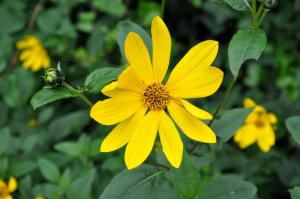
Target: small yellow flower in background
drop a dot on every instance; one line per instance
(257, 128)
(39, 197)
(139, 101)
(7, 189)
(33, 54)
(32, 123)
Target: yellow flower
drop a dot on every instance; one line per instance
(140, 100)
(33, 54)
(7, 189)
(257, 128)
(32, 123)
(39, 197)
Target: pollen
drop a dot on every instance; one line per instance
(156, 97)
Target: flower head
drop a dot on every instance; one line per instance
(33, 54)
(142, 104)
(54, 77)
(257, 128)
(7, 189)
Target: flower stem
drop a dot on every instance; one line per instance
(221, 103)
(79, 92)
(162, 8)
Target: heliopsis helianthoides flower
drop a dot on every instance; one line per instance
(7, 189)
(141, 103)
(257, 128)
(33, 54)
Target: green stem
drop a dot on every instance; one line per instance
(162, 8)
(221, 103)
(80, 94)
(262, 17)
(254, 14)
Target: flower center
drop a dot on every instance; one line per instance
(156, 97)
(259, 123)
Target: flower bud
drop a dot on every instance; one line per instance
(269, 4)
(54, 77)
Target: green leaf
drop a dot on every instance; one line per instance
(49, 21)
(295, 193)
(49, 170)
(84, 184)
(66, 124)
(100, 78)
(127, 26)
(20, 167)
(293, 125)
(70, 148)
(245, 44)
(112, 7)
(17, 87)
(230, 122)
(186, 179)
(228, 188)
(47, 95)
(47, 190)
(11, 21)
(127, 183)
(65, 180)
(238, 5)
(4, 139)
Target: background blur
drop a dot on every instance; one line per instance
(82, 36)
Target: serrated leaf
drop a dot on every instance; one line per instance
(127, 26)
(245, 44)
(47, 95)
(228, 188)
(49, 170)
(230, 122)
(186, 178)
(100, 78)
(293, 125)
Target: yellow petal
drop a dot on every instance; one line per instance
(25, 54)
(161, 43)
(29, 62)
(200, 56)
(195, 111)
(37, 65)
(141, 143)
(7, 197)
(190, 125)
(46, 62)
(121, 134)
(170, 139)
(2, 184)
(272, 118)
(266, 139)
(246, 135)
(12, 184)
(129, 79)
(197, 84)
(249, 103)
(116, 109)
(138, 57)
(112, 90)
